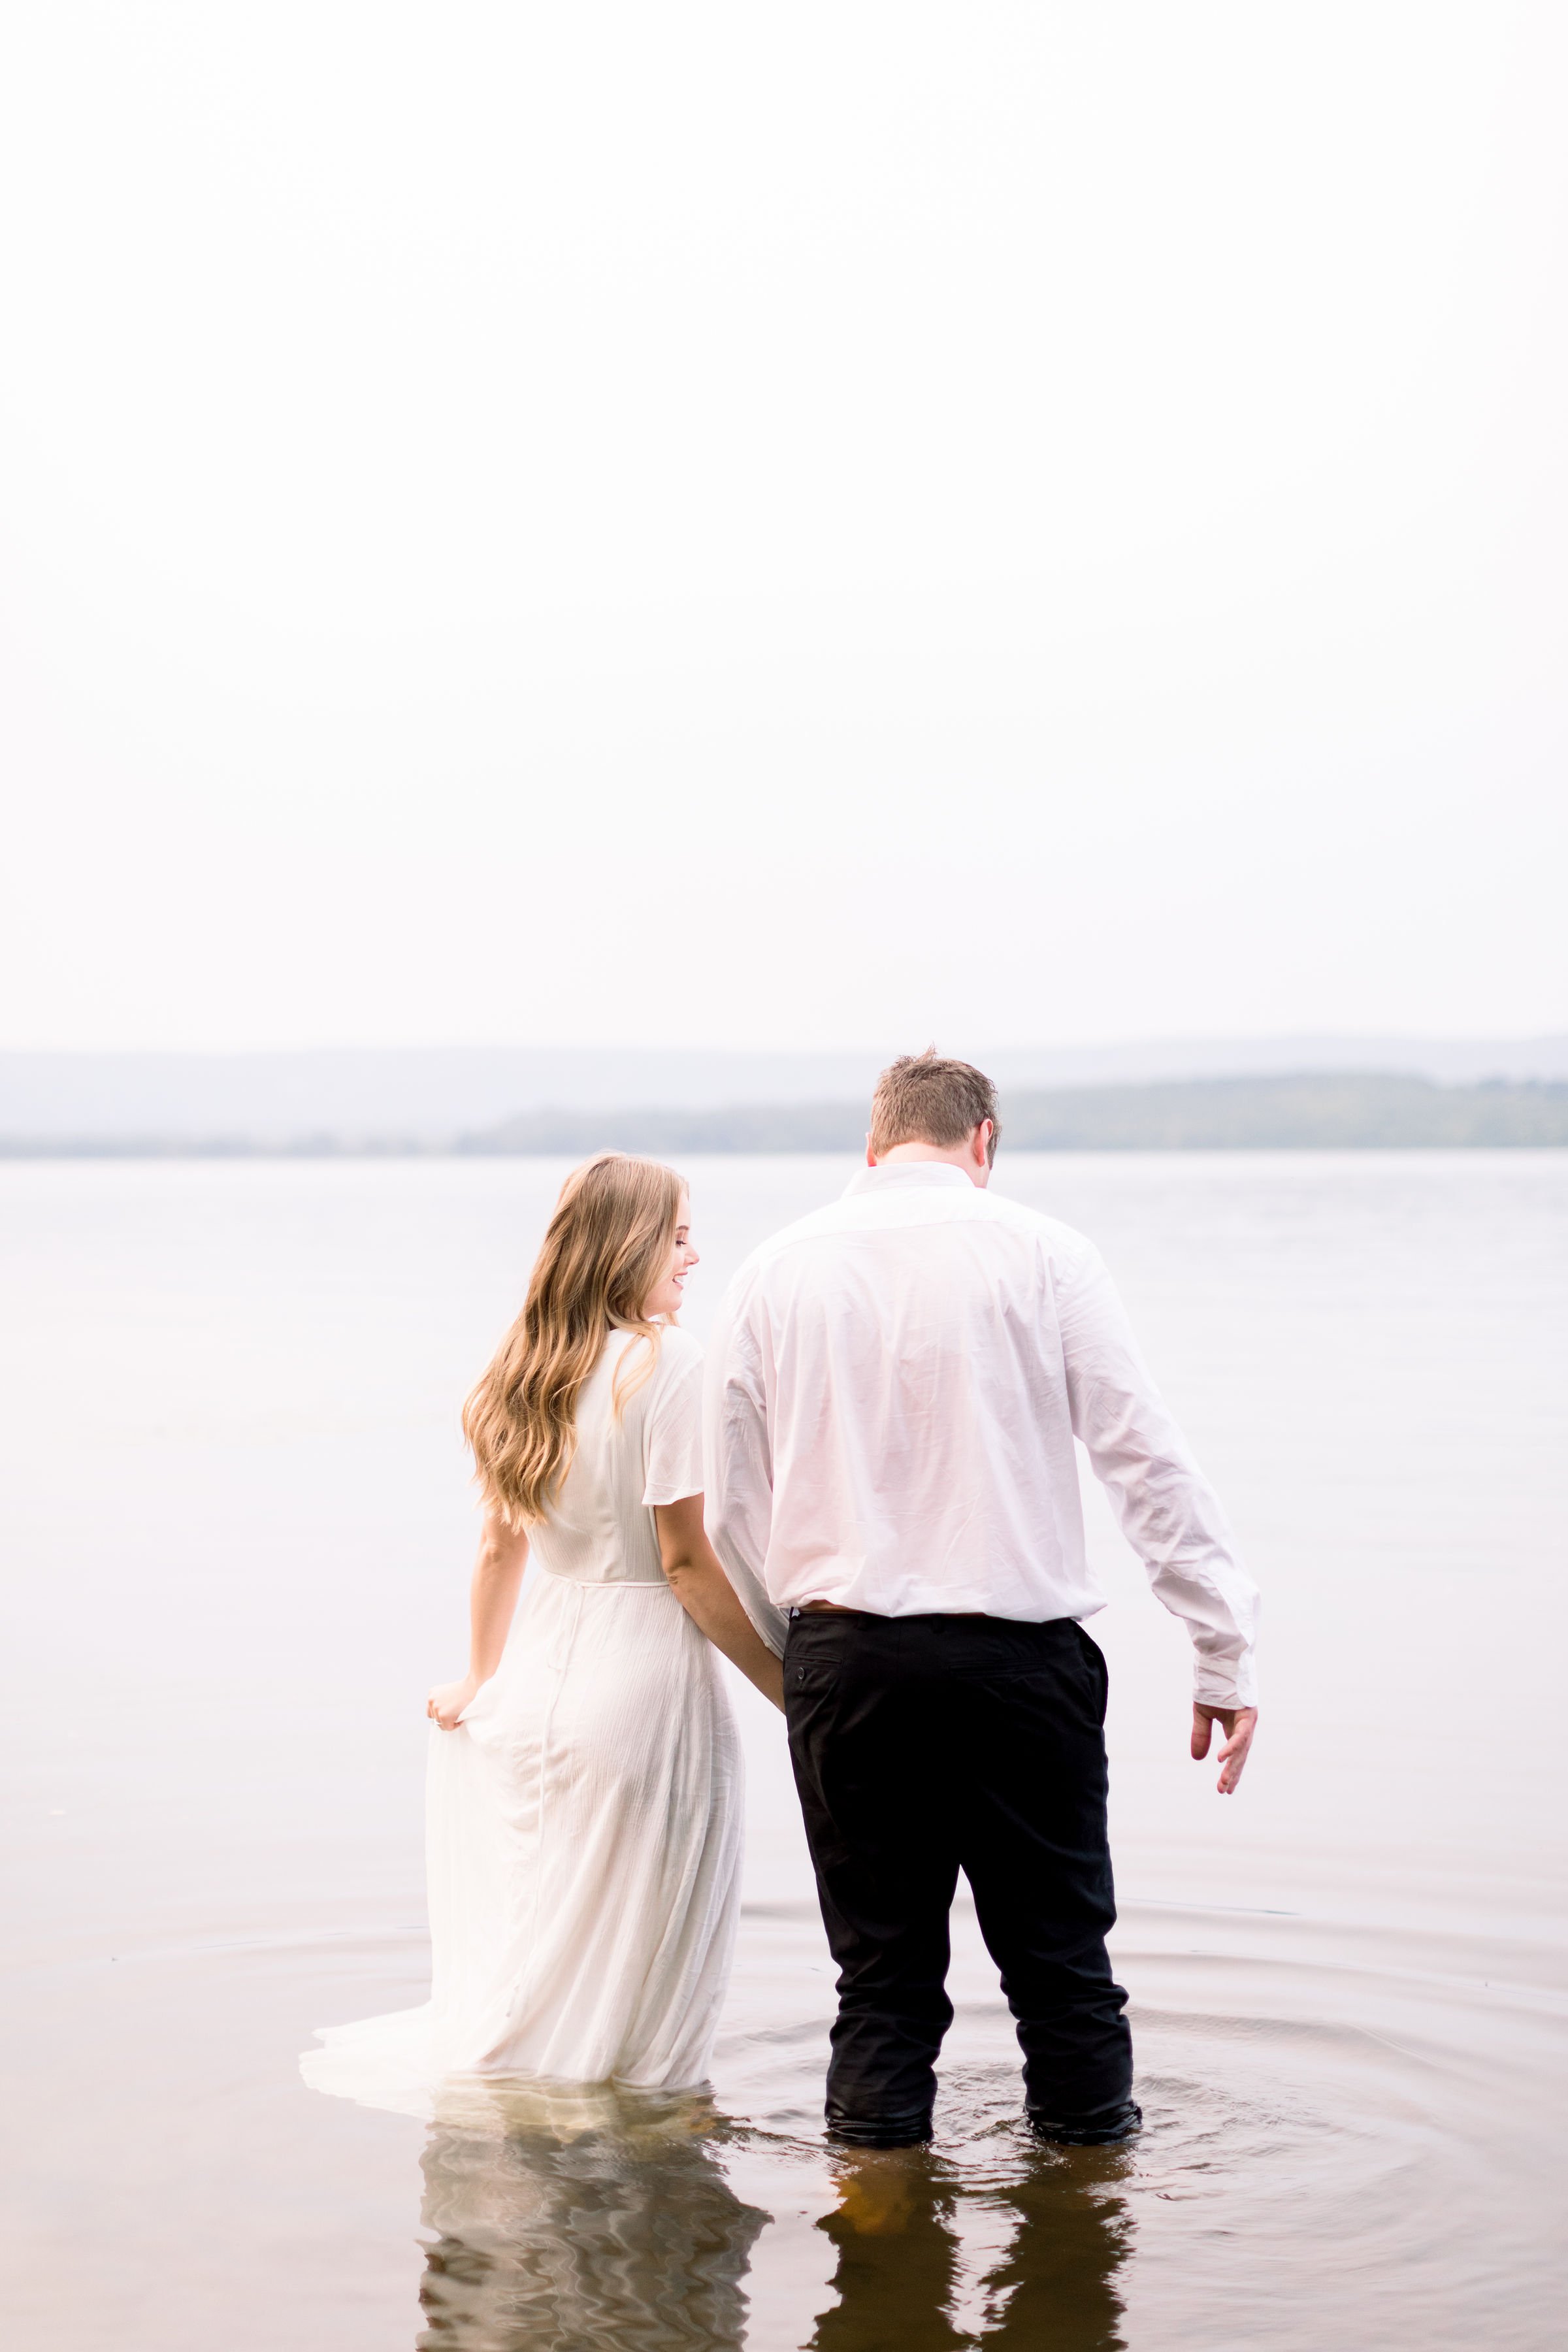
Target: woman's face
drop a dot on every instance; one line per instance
(664, 1296)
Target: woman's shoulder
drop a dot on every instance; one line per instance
(680, 1352)
(675, 1346)
(676, 1365)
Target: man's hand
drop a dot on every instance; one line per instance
(1238, 1723)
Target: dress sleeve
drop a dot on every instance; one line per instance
(672, 1434)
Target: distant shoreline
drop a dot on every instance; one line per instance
(1313, 1111)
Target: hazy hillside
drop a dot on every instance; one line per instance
(1309, 1112)
(1313, 1111)
(425, 1097)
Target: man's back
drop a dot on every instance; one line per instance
(894, 1392)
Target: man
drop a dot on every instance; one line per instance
(893, 1394)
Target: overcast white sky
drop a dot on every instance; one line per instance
(781, 525)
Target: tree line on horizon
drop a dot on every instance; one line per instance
(1354, 1110)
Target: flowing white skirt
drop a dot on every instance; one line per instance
(583, 1827)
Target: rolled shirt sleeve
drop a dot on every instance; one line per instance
(1167, 1508)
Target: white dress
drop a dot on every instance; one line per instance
(583, 1820)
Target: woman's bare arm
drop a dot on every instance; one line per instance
(707, 1597)
(492, 1597)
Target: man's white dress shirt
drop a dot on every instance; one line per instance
(893, 1392)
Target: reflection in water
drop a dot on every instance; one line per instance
(588, 2222)
(900, 2273)
(600, 2221)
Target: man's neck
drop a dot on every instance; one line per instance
(944, 1155)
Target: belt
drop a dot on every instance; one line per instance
(836, 1608)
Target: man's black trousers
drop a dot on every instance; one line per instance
(924, 1746)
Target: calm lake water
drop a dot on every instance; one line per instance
(236, 1542)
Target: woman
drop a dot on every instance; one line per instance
(585, 1790)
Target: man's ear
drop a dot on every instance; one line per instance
(870, 1155)
(980, 1143)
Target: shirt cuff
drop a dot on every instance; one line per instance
(1226, 1686)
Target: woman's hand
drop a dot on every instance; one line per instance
(447, 1700)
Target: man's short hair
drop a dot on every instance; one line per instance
(920, 1099)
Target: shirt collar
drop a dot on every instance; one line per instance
(904, 1174)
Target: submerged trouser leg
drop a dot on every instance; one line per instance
(1035, 1849)
(883, 1845)
(922, 1742)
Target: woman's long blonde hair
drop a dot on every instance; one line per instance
(609, 1240)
